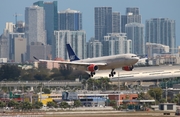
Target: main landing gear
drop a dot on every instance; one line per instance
(92, 74)
(112, 73)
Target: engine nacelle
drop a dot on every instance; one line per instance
(92, 68)
(127, 68)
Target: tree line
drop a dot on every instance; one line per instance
(64, 72)
(25, 105)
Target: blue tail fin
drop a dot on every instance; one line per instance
(72, 55)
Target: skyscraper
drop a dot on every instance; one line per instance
(20, 46)
(4, 47)
(17, 51)
(51, 18)
(116, 43)
(161, 31)
(133, 10)
(103, 22)
(132, 15)
(39, 3)
(35, 25)
(38, 50)
(70, 20)
(116, 22)
(135, 32)
(94, 48)
(77, 39)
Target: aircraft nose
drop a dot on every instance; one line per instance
(135, 59)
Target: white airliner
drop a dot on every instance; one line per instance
(126, 61)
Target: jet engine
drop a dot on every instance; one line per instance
(127, 68)
(92, 68)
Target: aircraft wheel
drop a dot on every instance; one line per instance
(92, 74)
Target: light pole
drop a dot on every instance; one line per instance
(119, 90)
(50, 81)
(166, 91)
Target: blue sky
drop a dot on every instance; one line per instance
(148, 9)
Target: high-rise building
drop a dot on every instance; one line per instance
(128, 46)
(161, 31)
(51, 18)
(135, 32)
(13, 46)
(132, 15)
(4, 47)
(116, 22)
(35, 25)
(20, 27)
(77, 39)
(155, 48)
(39, 3)
(103, 22)
(38, 50)
(9, 28)
(70, 20)
(116, 43)
(94, 48)
(133, 10)
(20, 47)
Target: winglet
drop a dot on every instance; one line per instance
(35, 58)
(71, 53)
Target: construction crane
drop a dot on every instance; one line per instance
(16, 15)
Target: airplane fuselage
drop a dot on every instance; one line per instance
(114, 61)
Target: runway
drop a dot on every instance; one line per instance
(143, 73)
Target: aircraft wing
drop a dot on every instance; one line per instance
(71, 63)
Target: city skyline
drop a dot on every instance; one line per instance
(147, 9)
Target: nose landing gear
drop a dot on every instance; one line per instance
(112, 73)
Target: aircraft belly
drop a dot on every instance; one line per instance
(114, 64)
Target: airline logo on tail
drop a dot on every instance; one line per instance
(72, 55)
